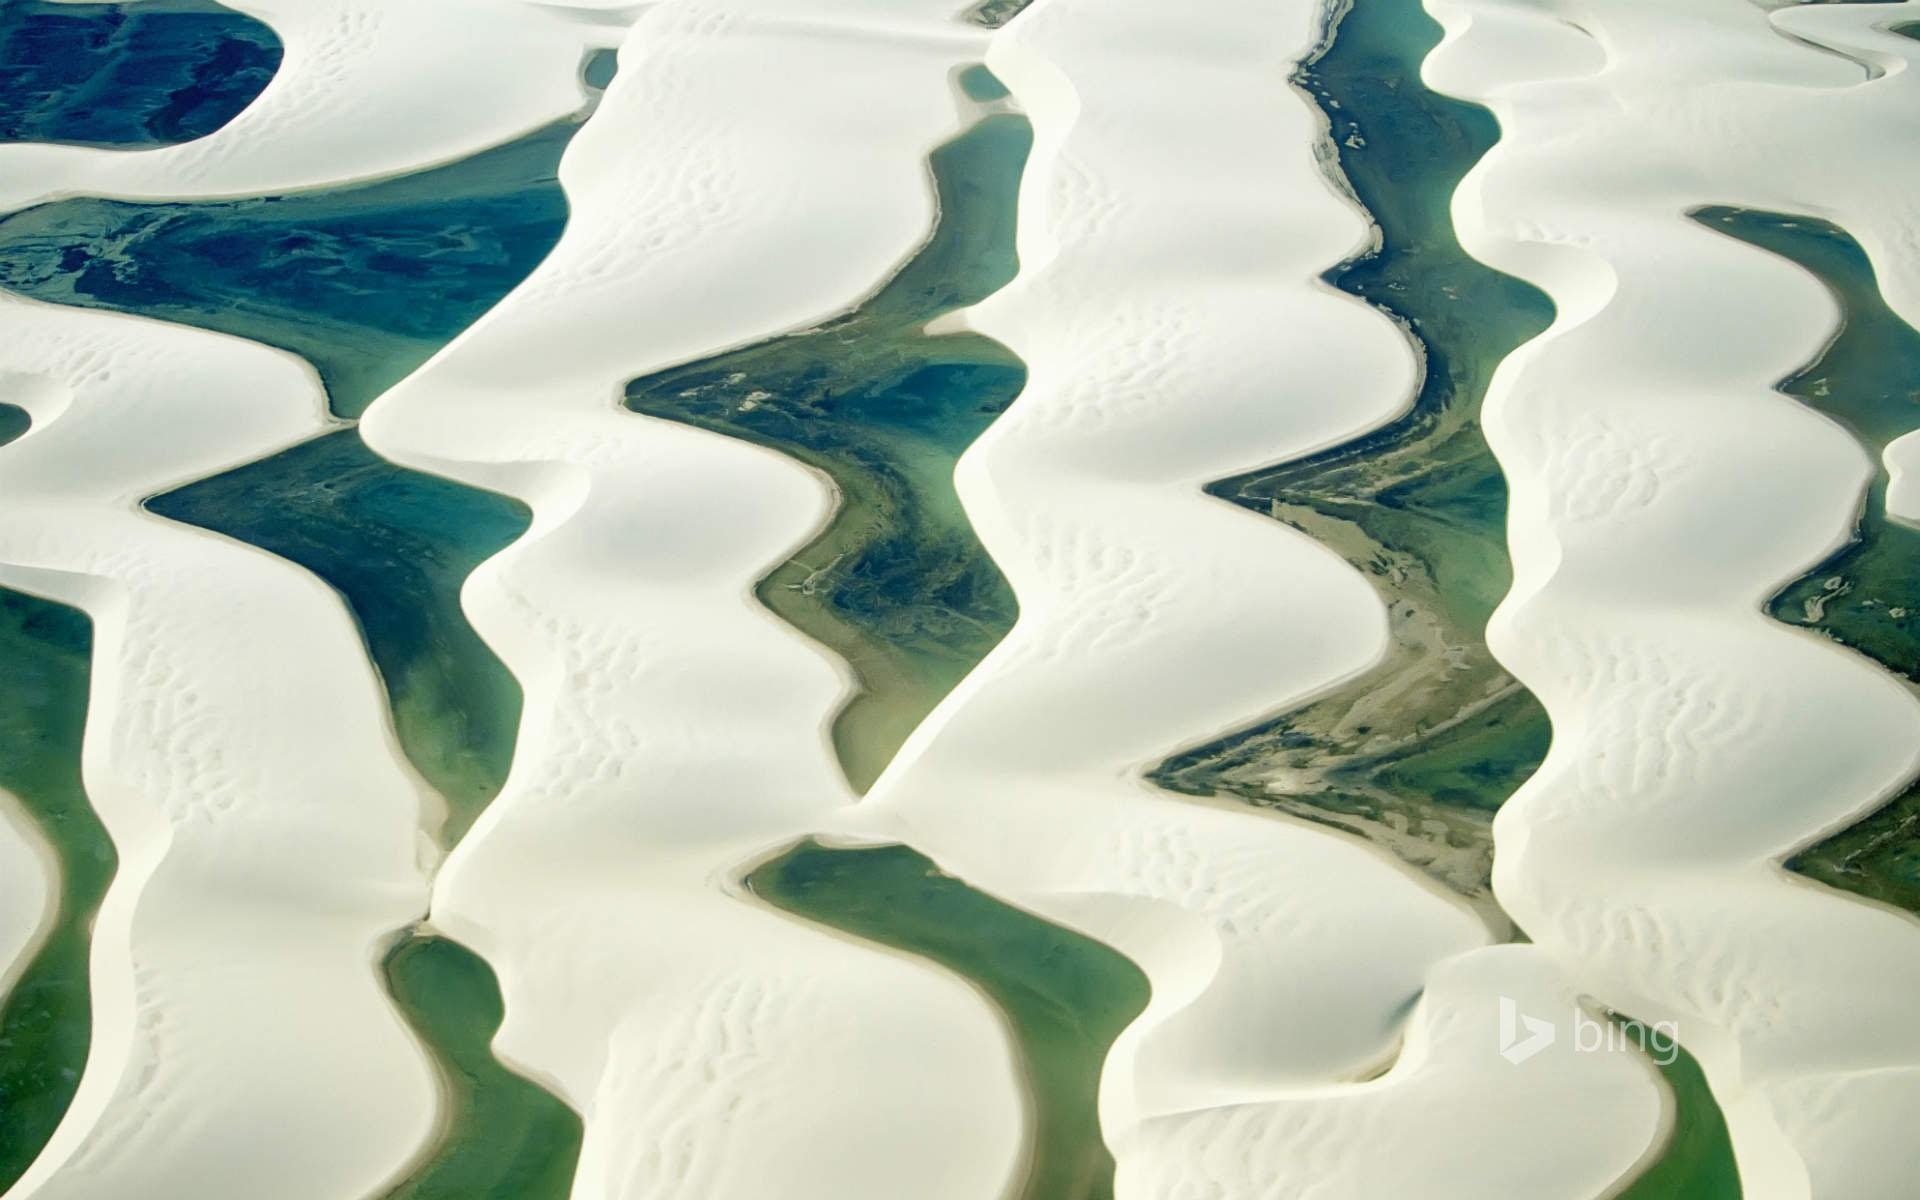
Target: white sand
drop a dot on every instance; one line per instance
(753, 167)
(1662, 490)
(28, 900)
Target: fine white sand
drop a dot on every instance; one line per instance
(1662, 490)
(28, 874)
(754, 167)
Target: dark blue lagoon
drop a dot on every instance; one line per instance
(154, 73)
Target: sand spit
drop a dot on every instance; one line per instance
(1173, 223)
(674, 729)
(1662, 490)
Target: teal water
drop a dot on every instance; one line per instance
(14, 421)
(363, 282)
(898, 584)
(515, 1139)
(600, 68)
(1064, 996)
(156, 73)
(46, 1021)
(1418, 505)
(1866, 595)
(397, 545)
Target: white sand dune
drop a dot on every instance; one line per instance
(753, 168)
(1173, 223)
(242, 1044)
(1661, 490)
(29, 873)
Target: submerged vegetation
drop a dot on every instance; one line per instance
(155, 73)
(1065, 997)
(897, 584)
(46, 1019)
(1866, 594)
(1420, 751)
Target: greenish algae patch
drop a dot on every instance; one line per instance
(514, 1139)
(46, 1019)
(156, 73)
(1065, 997)
(1419, 752)
(1866, 595)
(14, 421)
(364, 282)
(398, 545)
(1697, 1162)
(897, 584)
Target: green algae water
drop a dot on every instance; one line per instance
(155, 73)
(1697, 1162)
(515, 1139)
(397, 545)
(46, 1019)
(1419, 752)
(897, 584)
(1866, 595)
(1066, 997)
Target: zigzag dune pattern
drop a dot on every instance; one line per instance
(674, 729)
(1662, 491)
(1322, 1016)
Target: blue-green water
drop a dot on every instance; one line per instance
(45, 1020)
(1064, 996)
(1866, 595)
(513, 1139)
(155, 73)
(397, 545)
(363, 282)
(1419, 505)
(898, 584)
(14, 422)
